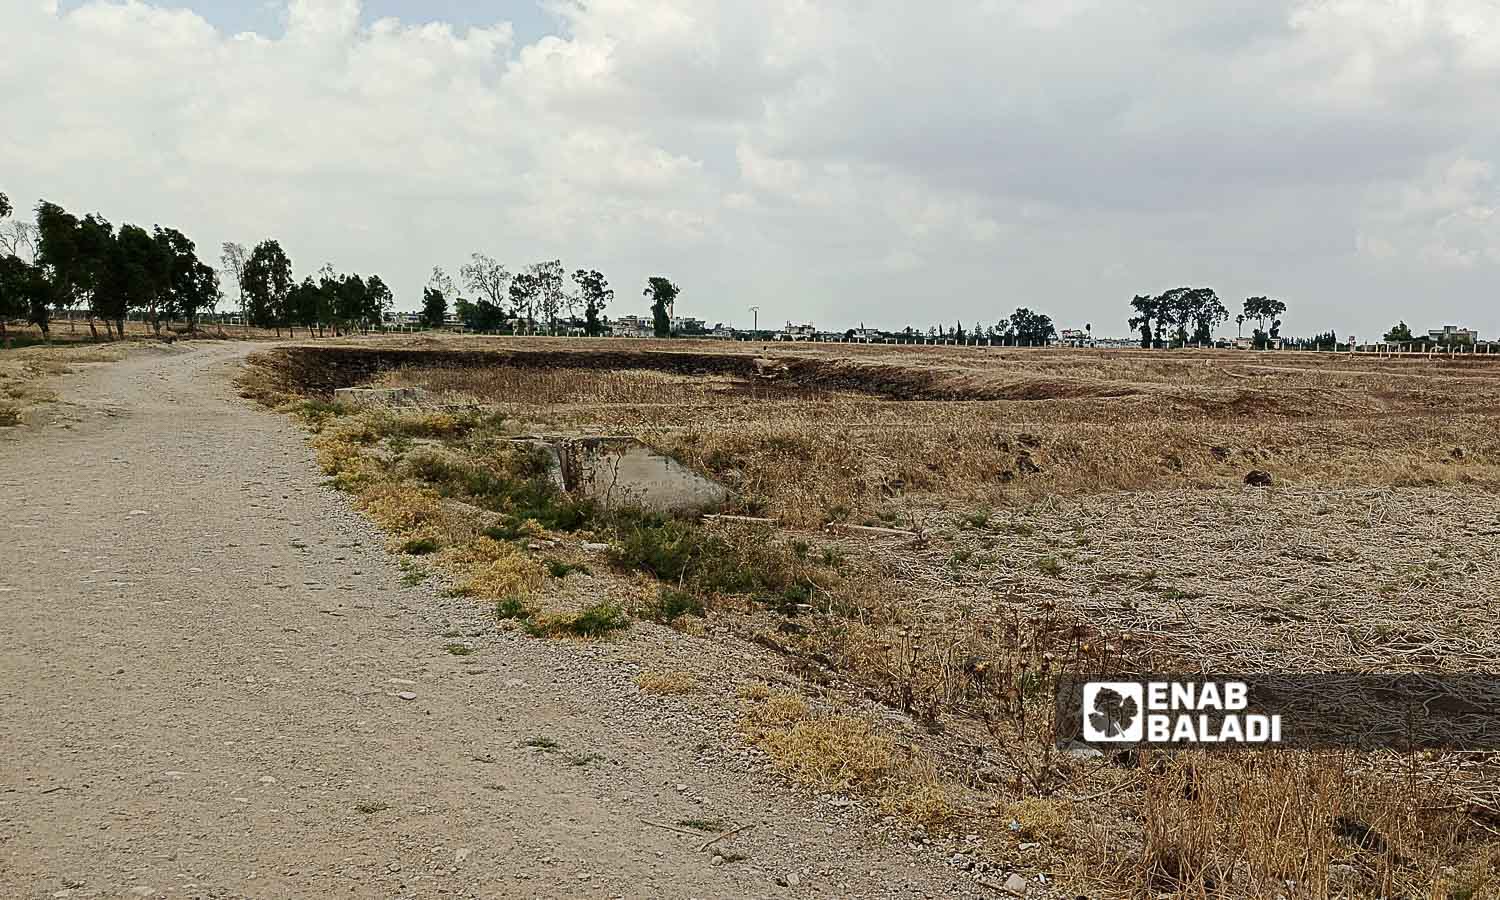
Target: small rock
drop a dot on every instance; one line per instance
(267, 779)
(143, 891)
(590, 545)
(1016, 884)
(407, 695)
(793, 879)
(1030, 845)
(717, 860)
(1084, 752)
(461, 854)
(1258, 478)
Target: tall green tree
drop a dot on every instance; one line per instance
(1399, 334)
(525, 291)
(595, 293)
(136, 276)
(1147, 309)
(198, 293)
(1031, 328)
(1205, 312)
(268, 280)
(177, 264)
(1261, 309)
(60, 258)
(552, 297)
(434, 307)
(24, 293)
(305, 304)
(435, 299)
(663, 294)
(378, 300)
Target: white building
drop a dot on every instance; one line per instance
(803, 332)
(1452, 334)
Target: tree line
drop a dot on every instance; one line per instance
(1022, 328)
(271, 298)
(1189, 315)
(62, 262)
(535, 300)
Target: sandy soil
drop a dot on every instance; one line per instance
(204, 669)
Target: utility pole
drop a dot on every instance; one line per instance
(755, 311)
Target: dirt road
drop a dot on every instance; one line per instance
(216, 684)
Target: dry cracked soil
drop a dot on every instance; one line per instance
(216, 684)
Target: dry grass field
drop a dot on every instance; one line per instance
(1044, 513)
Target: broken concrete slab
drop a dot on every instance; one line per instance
(363, 398)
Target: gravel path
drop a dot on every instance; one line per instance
(216, 685)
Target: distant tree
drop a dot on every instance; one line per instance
(17, 237)
(1400, 334)
(24, 293)
(137, 275)
(1328, 340)
(1239, 322)
(1032, 328)
(199, 293)
(234, 256)
(1205, 312)
(1260, 309)
(663, 294)
(268, 280)
(61, 259)
(379, 299)
(488, 279)
(177, 276)
(525, 290)
(552, 297)
(595, 293)
(304, 304)
(434, 307)
(1001, 329)
(1147, 310)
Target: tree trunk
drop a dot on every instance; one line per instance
(120, 327)
(94, 332)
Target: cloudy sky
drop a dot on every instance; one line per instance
(843, 161)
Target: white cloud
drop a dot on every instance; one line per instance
(834, 159)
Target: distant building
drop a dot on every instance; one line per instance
(688, 325)
(1073, 337)
(633, 326)
(1450, 335)
(803, 332)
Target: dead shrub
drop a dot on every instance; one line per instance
(665, 683)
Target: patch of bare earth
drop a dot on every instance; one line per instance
(910, 568)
